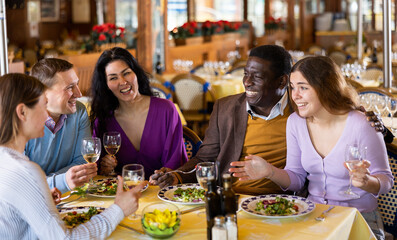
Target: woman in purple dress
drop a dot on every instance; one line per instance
(150, 127)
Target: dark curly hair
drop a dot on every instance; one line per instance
(103, 100)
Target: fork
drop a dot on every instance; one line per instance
(63, 203)
(322, 216)
(180, 171)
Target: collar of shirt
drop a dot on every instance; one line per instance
(55, 127)
(278, 109)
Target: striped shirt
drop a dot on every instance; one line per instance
(53, 126)
(27, 210)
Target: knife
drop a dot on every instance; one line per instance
(133, 229)
(192, 209)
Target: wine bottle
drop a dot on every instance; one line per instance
(228, 198)
(159, 66)
(212, 206)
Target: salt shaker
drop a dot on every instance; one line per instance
(219, 230)
(231, 227)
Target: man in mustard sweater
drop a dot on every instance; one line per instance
(253, 122)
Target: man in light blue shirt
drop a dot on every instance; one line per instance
(58, 152)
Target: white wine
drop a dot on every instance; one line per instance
(203, 181)
(112, 149)
(131, 184)
(91, 157)
(351, 164)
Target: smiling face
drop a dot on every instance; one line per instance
(63, 94)
(304, 96)
(122, 81)
(263, 90)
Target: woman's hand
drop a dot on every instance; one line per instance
(128, 201)
(253, 168)
(56, 195)
(360, 174)
(108, 163)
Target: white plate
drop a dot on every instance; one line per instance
(64, 211)
(108, 196)
(305, 206)
(167, 193)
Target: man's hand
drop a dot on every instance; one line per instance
(108, 164)
(162, 178)
(78, 175)
(375, 120)
(56, 195)
(128, 201)
(253, 168)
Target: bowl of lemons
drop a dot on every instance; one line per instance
(161, 220)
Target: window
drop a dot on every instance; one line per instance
(256, 14)
(177, 13)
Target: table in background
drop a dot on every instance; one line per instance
(341, 223)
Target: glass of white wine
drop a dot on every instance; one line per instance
(112, 143)
(91, 150)
(133, 175)
(205, 172)
(353, 157)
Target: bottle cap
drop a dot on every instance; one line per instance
(231, 217)
(219, 219)
(226, 175)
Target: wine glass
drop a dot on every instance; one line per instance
(112, 143)
(133, 175)
(391, 106)
(354, 154)
(205, 172)
(91, 150)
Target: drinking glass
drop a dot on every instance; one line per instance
(91, 150)
(112, 143)
(391, 107)
(205, 172)
(354, 154)
(133, 174)
(379, 104)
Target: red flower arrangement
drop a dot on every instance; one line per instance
(188, 29)
(107, 33)
(272, 23)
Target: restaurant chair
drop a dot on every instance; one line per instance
(314, 50)
(85, 78)
(156, 78)
(239, 63)
(354, 84)
(192, 142)
(194, 96)
(372, 74)
(199, 70)
(374, 90)
(161, 91)
(387, 203)
(338, 56)
(237, 71)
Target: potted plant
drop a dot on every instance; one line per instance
(108, 35)
(187, 30)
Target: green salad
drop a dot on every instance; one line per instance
(189, 195)
(73, 219)
(277, 207)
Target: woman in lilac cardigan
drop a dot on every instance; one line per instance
(151, 130)
(324, 122)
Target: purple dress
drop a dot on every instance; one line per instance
(162, 142)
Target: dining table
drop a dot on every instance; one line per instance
(340, 223)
